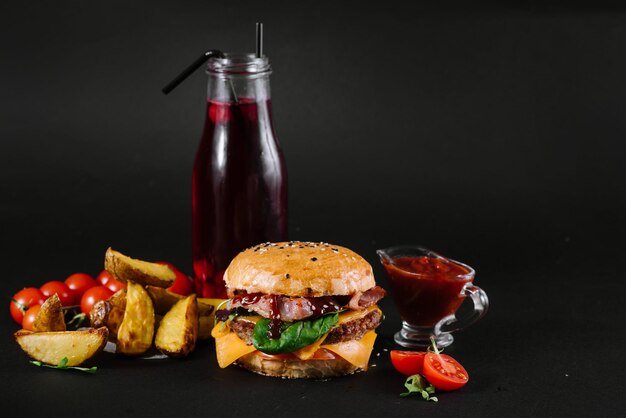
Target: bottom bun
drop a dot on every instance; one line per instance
(297, 369)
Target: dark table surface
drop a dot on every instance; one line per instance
(493, 134)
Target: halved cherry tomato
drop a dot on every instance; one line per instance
(408, 362)
(93, 295)
(23, 300)
(79, 283)
(444, 372)
(183, 284)
(29, 317)
(61, 289)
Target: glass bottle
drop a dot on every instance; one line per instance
(239, 181)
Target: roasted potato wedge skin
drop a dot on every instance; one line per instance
(52, 347)
(126, 269)
(135, 334)
(100, 313)
(50, 316)
(178, 331)
(164, 300)
(109, 313)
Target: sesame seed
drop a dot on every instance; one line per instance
(314, 259)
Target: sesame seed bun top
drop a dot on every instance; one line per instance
(295, 268)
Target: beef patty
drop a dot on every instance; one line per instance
(351, 330)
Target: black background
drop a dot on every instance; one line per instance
(493, 134)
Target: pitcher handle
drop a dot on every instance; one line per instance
(481, 304)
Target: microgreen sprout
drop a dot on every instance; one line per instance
(418, 384)
(77, 320)
(63, 366)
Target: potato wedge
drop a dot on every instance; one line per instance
(178, 332)
(134, 336)
(52, 347)
(109, 313)
(205, 326)
(164, 300)
(50, 316)
(126, 269)
(206, 318)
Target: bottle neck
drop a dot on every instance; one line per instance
(238, 78)
(233, 89)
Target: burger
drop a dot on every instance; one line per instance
(298, 310)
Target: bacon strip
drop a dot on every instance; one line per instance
(371, 297)
(294, 308)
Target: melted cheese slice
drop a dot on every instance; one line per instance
(348, 316)
(308, 351)
(356, 352)
(229, 347)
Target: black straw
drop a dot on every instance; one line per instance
(259, 40)
(193, 67)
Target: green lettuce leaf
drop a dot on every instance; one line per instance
(294, 335)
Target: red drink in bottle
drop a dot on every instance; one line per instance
(239, 182)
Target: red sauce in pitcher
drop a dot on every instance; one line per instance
(427, 289)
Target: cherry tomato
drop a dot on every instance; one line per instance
(104, 277)
(79, 283)
(61, 289)
(182, 285)
(23, 300)
(93, 295)
(408, 362)
(29, 317)
(444, 372)
(114, 285)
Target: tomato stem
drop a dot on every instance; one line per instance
(21, 306)
(434, 343)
